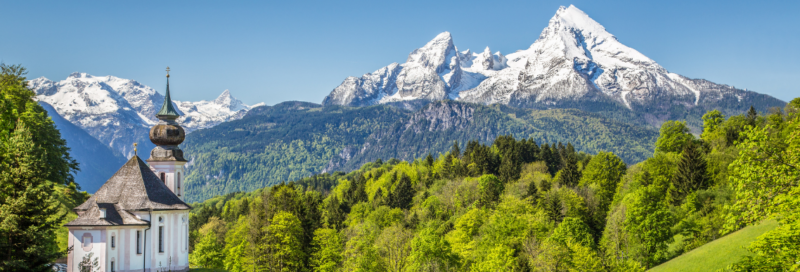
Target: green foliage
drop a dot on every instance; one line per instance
(207, 253)
(490, 189)
(29, 210)
(328, 246)
(284, 242)
(673, 136)
(452, 212)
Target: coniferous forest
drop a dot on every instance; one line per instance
(519, 205)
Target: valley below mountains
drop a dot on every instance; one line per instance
(293, 140)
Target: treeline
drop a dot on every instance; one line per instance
(516, 205)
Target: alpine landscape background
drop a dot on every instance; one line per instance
(576, 83)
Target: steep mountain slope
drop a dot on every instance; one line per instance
(98, 162)
(120, 112)
(296, 139)
(575, 63)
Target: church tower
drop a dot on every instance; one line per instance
(166, 159)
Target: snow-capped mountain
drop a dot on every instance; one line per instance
(574, 63)
(120, 112)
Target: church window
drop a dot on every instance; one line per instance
(178, 182)
(138, 242)
(87, 241)
(112, 266)
(113, 244)
(164, 177)
(161, 239)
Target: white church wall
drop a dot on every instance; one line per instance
(175, 230)
(87, 240)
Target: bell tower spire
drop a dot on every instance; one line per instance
(166, 159)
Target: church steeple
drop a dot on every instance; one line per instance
(167, 111)
(166, 159)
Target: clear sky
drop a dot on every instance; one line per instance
(300, 50)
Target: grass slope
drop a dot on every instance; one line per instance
(719, 253)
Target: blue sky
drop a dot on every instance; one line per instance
(297, 50)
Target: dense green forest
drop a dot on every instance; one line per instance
(293, 140)
(518, 205)
(36, 179)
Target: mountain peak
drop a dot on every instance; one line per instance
(436, 53)
(572, 17)
(224, 98)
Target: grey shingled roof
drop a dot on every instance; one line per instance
(133, 188)
(115, 216)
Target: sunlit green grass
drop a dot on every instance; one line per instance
(719, 253)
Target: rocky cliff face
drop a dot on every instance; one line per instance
(574, 63)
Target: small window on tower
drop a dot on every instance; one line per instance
(164, 177)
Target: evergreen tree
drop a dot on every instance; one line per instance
(691, 174)
(570, 176)
(29, 211)
(403, 193)
(510, 165)
(532, 193)
(455, 151)
(335, 213)
(17, 106)
(752, 114)
(429, 160)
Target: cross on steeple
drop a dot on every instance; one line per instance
(167, 71)
(135, 149)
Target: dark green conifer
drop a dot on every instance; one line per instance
(455, 151)
(691, 174)
(29, 211)
(570, 176)
(429, 160)
(403, 193)
(752, 114)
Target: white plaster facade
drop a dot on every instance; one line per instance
(174, 255)
(172, 172)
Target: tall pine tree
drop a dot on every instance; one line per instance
(403, 193)
(691, 174)
(29, 211)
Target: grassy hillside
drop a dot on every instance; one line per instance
(293, 140)
(719, 253)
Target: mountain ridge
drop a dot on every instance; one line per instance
(574, 63)
(119, 112)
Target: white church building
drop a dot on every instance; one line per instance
(137, 221)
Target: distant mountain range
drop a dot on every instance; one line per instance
(575, 63)
(119, 112)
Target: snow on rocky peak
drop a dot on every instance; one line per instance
(116, 110)
(574, 60)
(204, 114)
(435, 71)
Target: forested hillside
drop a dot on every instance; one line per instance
(516, 205)
(292, 140)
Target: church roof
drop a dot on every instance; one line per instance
(133, 188)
